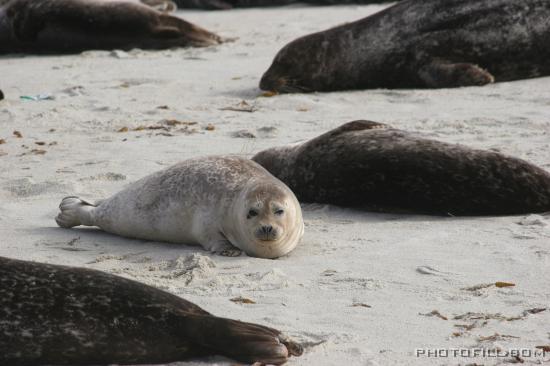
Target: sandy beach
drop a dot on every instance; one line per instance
(361, 288)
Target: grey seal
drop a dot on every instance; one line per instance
(69, 26)
(221, 203)
(58, 315)
(371, 165)
(420, 44)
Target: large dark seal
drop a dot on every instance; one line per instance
(229, 4)
(57, 315)
(368, 164)
(67, 26)
(420, 44)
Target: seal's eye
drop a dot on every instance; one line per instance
(279, 212)
(252, 213)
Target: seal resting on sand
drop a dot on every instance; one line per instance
(371, 165)
(420, 44)
(220, 203)
(229, 4)
(69, 26)
(58, 315)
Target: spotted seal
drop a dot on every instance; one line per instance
(220, 203)
(68, 26)
(369, 164)
(420, 44)
(58, 315)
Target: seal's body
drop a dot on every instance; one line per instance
(229, 4)
(68, 26)
(57, 315)
(217, 202)
(368, 164)
(420, 44)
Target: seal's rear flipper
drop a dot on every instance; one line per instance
(441, 74)
(164, 6)
(74, 212)
(241, 341)
(192, 34)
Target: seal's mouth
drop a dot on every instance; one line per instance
(281, 84)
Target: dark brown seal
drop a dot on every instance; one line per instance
(57, 315)
(229, 4)
(420, 44)
(67, 26)
(368, 164)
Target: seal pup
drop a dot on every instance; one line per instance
(420, 44)
(69, 26)
(368, 164)
(58, 315)
(229, 4)
(220, 203)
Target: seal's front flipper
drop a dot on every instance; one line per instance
(74, 212)
(440, 74)
(222, 247)
(241, 341)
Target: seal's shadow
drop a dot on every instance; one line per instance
(91, 239)
(247, 93)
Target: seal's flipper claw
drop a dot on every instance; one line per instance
(231, 252)
(440, 74)
(241, 341)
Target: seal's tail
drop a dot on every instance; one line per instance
(241, 341)
(74, 212)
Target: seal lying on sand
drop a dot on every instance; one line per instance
(229, 4)
(368, 164)
(217, 202)
(65, 26)
(57, 315)
(420, 44)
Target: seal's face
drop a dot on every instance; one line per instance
(271, 221)
(295, 67)
(266, 216)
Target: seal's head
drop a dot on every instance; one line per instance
(268, 219)
(299, 67)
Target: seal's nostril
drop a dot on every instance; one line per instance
(267, 229)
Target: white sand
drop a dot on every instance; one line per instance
(400, 265)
